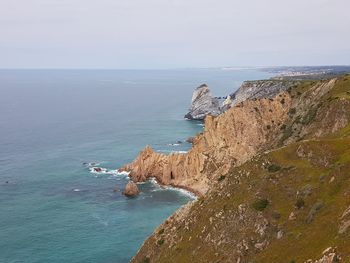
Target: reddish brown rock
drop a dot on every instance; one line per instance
(227, 140)
(131, 189)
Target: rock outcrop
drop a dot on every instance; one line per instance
(330, 255)
(230, 139)
(227, 140)
(259, 89)
(131, 189)
(274, 177)
(203, 104)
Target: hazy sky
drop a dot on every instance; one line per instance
(173, 33)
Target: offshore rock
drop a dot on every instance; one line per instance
(202, 104)
(131, 189)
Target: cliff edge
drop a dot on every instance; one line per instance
(273, 175)
(250, 127)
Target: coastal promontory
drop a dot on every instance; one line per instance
(272, 175)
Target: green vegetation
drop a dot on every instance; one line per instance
(160, 242)
(300, 203)
(292, 111)
(301, 189)
(273, 168)
(260, 204)
(310, 116)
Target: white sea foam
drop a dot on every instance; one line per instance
(125, 173)
(171, 151)
(174, 144)
(98, 170)
(76, 190)
(159, 187)
(101, 170)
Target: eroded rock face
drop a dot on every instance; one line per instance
(345, 221)
(330, 255)
(203, 104)
(227, 140)
(131, 189)
(258, 89)
(233, 137)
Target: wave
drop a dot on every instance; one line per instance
(101, 170)
(174, 144)
(92, 164)
(159, 187)
(171, 151)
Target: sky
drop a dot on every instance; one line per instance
(161, 34)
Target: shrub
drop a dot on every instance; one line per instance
(268, 127)
(282, 101)
(310, 116)
(288, 132)
(292, 111)
(222, 177)
(260, 204)
(160, 242)
(276, 215)
(272, 168)
(300, 203)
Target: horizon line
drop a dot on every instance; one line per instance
(180, 68)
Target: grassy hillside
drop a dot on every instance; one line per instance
(284, 205)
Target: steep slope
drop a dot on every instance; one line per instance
(250, 127)
(227, 140)
(258, 89)
(285, 205)
(288, 205)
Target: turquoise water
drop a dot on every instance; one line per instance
(52, 208)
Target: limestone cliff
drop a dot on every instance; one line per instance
(203, 104)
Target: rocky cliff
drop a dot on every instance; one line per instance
(273, 178)
(229, 139)
(203, 104)
(249, 127)
(260, 89)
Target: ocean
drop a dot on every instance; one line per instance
(55, 124)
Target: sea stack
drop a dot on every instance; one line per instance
(203, 104)
(131, 189)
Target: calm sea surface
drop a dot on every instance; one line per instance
(53, 122)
